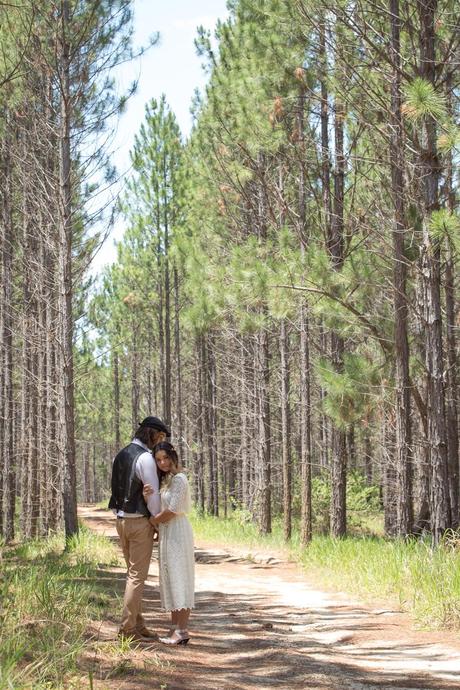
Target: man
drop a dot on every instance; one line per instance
(133, 467)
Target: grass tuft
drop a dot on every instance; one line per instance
(48, 596)
(411, 574)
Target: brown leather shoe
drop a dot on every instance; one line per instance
(134, 636)
(146, 633)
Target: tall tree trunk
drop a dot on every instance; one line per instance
(335, 246)
(177, 349)
(401, 344)
(451, 347)
(306, 523)
(198, 417)
(167, 301)
(452, 388)
(116, 397)
(65, 285)
(263, 373)
(26, 367)
(368, 458)
(33, 334)
(54, 503)
(7, 448)
(210, 402)
(304, 354)
(431, 274)
(161, 330)
(286, 429)
(135, 383)
(245, 422)
(263, 413)
(387, 461)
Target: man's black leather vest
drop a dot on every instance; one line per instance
(126, 486)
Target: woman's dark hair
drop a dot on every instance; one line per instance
(168, 449)
(172, 455)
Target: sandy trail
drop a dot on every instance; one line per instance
(262, 625)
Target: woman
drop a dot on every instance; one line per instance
(176, 551)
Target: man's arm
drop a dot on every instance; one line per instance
(146, 470)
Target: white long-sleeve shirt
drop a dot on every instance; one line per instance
(146, 471)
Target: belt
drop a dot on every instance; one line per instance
(119, 517)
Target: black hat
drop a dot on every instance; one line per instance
(155, 423)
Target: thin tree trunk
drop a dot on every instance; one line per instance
(245, 421)
(8, 479)
(304, 354)
(135, 409)
(338, 439)
(286, 429)
(263, 375)
(263, 399)
(431, 273)
(177, 348)
(167, 301)
(368, 459)
(199, 426)
(116, 398)
(401, 343)
(65, 284)
(451, 347)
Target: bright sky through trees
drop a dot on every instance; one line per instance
(171, 67)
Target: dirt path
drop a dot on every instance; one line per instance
(262, 625)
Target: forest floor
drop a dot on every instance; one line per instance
(262, 623)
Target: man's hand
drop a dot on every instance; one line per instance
(147, 490)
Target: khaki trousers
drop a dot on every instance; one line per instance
(136, 537)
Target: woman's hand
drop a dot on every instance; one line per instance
(147, 490)
(153, 522)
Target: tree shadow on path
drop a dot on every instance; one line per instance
(245, 638)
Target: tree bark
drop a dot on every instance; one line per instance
(177, 348)
(403, 451)
(116, 398)
(263, 414)
(304, 353)
(431, 274)
(335, 246)
(167, 300)
(286, 430)
(451, 348)
(8, 493)
(66, 409)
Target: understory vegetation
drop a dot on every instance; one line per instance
(409, 574)
(48, 597)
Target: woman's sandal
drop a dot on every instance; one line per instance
(177, 637)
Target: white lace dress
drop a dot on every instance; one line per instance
(176, 550)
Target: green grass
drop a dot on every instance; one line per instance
(421, 580)
(411, 575)
(237, 530)
(48, 595)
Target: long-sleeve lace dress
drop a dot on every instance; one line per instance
(176, 550)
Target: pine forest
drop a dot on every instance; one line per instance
(286, 293)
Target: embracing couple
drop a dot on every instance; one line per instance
(150, 495)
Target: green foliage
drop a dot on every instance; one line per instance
(351, 393)
(48, 596)
(444, 224)
(124, 307)
(363, 501)
(421, 580)
(449, 140)
(251, 221)
(423, 100)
